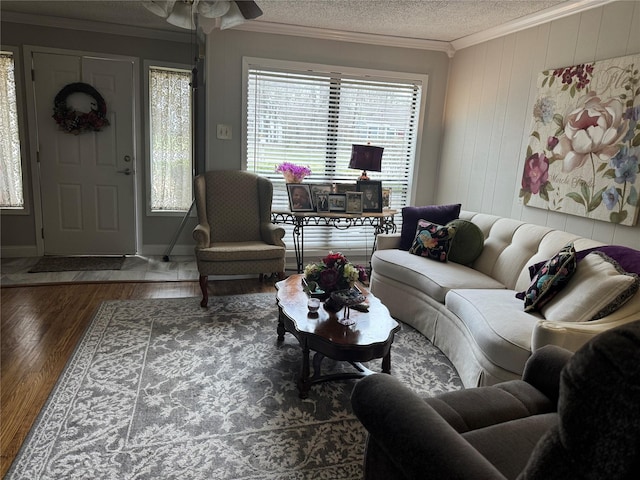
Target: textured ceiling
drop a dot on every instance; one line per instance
(438, 20)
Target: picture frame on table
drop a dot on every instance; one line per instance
(300, 197)
(337, 202)
(371, 195)
(344, 187)
(318, 188)
(353, 202)
(386, 197)
(322, 202)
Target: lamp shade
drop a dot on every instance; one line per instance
(366, 157)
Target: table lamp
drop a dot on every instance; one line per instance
(366, 157)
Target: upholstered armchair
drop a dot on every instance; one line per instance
(569, 418)
(234, 235)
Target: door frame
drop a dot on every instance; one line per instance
(28, 51)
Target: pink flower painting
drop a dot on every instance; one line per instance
(582, 157)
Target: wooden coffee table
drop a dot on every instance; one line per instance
(370, 337)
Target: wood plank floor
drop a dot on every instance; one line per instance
(39, 329)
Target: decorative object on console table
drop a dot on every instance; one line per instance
(371, 195)
(366, 157)
(354, 202)
(583, 151)
(299, 197)
(293, 173)
(337, 202)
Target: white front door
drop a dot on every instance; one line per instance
(86, 180)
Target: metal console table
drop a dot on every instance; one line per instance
(382, 222)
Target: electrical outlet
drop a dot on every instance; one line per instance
(223, 131)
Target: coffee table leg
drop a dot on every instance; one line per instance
(304, 383)
(280, 330)
(386, 363)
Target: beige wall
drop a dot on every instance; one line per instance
(490, 95)
(225, 50)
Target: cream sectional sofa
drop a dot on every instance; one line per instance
(471, 312)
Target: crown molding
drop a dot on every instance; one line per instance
(343, 36)
(96, 27)
(533, 20)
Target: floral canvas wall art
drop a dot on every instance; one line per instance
(582, 157)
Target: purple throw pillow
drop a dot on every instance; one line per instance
(440, 214)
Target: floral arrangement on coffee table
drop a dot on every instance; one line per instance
(335, 272)
(293, 173)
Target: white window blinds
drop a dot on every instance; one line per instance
(312, 117)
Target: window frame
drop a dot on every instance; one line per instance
(148, 64)
(249, 63)
(22, 134)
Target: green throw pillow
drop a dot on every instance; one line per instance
(468, 243)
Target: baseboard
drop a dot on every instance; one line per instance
(19, 251)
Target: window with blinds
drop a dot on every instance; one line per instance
(311, 115)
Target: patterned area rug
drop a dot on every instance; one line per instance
(164, 389)
(72, 264)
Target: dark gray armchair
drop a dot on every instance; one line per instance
(570, 417)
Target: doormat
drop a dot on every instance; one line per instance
(72, 264)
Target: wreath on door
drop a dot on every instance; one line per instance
(72, 121)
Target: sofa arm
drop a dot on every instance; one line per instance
(272, 234)
(419, 442)
(543, 368)
(571, 335)
(387, 241)
(202, 235)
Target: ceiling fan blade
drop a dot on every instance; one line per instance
(213, 8)
(162, 8)
(249, 9)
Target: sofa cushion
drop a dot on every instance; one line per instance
(496, 322)
(432, 240)
(627, 257)
(598, 288)
(440, 214)
(550, 279)
(468, 242)
(433, 278)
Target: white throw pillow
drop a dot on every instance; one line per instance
(598, 287)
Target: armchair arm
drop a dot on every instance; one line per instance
(543, 368)
(418, 441)
(386, 241)
(272, 234)
(202, 235)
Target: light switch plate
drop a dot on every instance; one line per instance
(223, 131)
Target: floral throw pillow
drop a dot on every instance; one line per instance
(550, 279)
(432, 240)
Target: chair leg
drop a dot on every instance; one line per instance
(205, 290)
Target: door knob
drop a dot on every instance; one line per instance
(126, 171)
